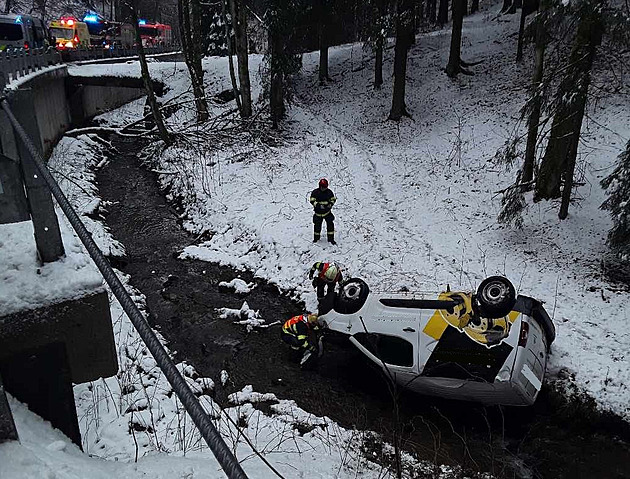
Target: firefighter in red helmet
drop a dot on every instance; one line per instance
(323, 199)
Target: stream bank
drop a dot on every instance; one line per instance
(555, 438)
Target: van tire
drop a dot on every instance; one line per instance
(495, 297)
(352, 296)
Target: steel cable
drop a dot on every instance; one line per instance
(215, 442)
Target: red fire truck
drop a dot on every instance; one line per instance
(155, 34)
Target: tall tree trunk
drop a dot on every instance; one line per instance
(454, 60)
(380, 43)
(521, 32)
(146, 78)
(442, 18)
(239, 22)
(474, 6)
(228, 39)
(465, 7)
(184, 30)
(404, 34)
(558, 164)
(322, 32)
(276, 102)
(378, 64)
(534, 116)
(190, 32)
(197, 68)
(431, 11)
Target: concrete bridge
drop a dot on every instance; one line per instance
(66, 336)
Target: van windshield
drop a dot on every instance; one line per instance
(10, 32)
(65, 33)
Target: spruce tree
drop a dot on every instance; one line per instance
(617, 204)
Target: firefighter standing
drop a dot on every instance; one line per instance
(300, 332)
(323, 199)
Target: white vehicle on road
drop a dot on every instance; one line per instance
(490, 346)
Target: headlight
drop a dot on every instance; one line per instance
(69, 45)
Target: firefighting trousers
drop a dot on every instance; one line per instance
(296, 342)
(330, 226)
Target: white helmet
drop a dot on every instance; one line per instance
(331, 272)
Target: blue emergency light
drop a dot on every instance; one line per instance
(18, 19)
(142, 22)
(90, 19)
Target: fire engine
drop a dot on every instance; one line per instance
(154, 34)
(109, 34)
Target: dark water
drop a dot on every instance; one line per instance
(554, 438)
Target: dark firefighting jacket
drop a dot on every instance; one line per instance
(322, 201)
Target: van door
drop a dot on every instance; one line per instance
(390, 340)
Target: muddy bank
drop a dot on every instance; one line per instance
(553, 439)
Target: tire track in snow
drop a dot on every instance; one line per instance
(386, 230)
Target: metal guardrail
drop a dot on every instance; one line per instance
(96, 53)
(17, 63)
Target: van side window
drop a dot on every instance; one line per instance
(390, 349)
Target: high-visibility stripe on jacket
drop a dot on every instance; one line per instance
(322, 201)
(299, 327)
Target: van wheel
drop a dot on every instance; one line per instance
(495, 297)
(352, 296)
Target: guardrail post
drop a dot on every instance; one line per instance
(13, 204)
(8, 432)
(9, 66)
(22, 60)
(28, 57)
(45, 223)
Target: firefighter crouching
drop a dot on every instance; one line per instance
(323, 199)
(301, 333)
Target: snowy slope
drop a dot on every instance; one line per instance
(416, 209)
(417, 200)
(132, 425)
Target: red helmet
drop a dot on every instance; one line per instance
(323, 183)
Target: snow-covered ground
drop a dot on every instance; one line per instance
(132, 425)
(28, 284)
(417, 200)
(416, 208)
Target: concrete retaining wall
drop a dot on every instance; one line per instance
(83, 326)
(87, 101)
(59, 104)
(51, 109)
